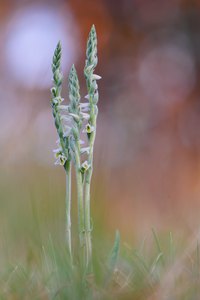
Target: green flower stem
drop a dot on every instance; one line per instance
(79, 185)
(80, 199)
(74, 110)
(92, 88)
(68, 209)
(55, 102)
(88, 178)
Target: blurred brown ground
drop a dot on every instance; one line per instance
(147, 163)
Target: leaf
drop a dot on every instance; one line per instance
(158, 244)
(112, 260)
(171, 248)
(156, 262)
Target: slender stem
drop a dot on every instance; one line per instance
(79, 185)
(88, 178)
(87, 221)
(68, 209)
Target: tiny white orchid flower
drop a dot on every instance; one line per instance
(76, 117)
(81, 142)
(84, 105)
(64, 107)
(84, 167)
(61, 160)
(85, 116)
(96, 77)
(89, 128)
(66, 118)
(60, 157)
(57, 152)
(85, 150)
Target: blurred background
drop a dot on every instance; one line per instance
(147, 155)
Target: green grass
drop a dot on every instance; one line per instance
(33, 257)
(136, 274)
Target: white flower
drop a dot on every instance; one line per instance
(75, 117)
(57, 100)
(67, 130)
(85, 116)
(82, 105)
(85, 107)
(89, 128)
(96, 77)
(64, 107)
(84, 167)
(60, 157)
(85, 150)
(66, 118)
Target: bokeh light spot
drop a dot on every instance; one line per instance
(32, 36)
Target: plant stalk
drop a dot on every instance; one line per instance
(79, 185)
(88, 178)
(68, 209)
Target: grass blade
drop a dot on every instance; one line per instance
(158, 244)
(113, 257)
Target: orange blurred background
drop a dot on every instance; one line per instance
(147, 163)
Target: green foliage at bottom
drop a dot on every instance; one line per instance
(137, 273)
